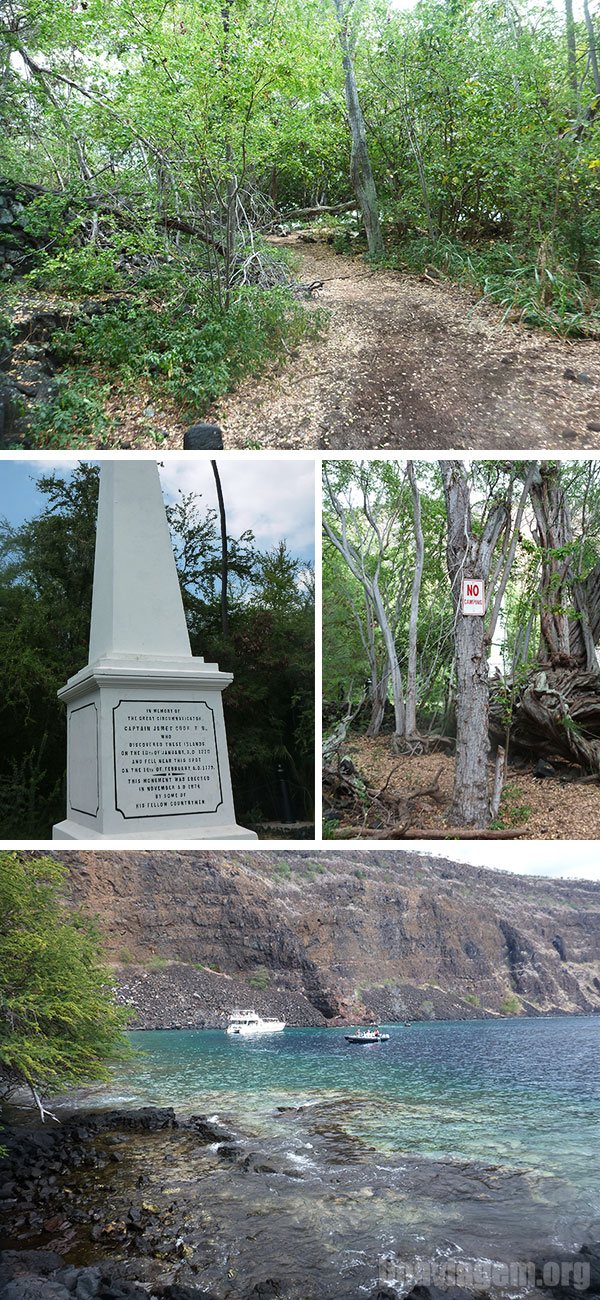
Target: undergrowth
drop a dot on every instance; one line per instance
(165, 327)
(541, 291)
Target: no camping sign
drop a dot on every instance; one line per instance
(473, 596)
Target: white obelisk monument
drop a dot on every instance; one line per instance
(146, 745)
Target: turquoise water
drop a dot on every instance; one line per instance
(516, 1092)
(476, 1140)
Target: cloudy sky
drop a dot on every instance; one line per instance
(568, 859)
(273, 497)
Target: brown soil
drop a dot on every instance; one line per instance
(534, 808)
(409, 363)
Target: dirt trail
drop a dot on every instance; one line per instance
(411, 364)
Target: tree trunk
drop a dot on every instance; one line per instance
(468, 556)
(224, 554)
(360, 162)
(411, 672)
(592, 46)
(378, 702)
(571, 48)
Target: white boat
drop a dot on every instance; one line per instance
(249, 1022)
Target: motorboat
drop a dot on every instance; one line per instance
(370, 1034)
(249, 1022)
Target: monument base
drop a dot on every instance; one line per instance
(71, 830)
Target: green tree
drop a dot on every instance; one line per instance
(59, 1023)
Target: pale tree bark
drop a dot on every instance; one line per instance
(564, 641)
(508, 557)
(369, 581)
(592, 46)
(469, 556)
(379, 673)
(411, 672)
(571, 48)
(360, 163)
(553, 534)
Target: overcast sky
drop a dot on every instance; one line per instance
(568, 859)
(275, 498)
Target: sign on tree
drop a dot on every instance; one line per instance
(473, 596)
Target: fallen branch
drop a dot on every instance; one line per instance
(409, 833)
(306, 214)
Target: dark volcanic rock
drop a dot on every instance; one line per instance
(420, 937)
(203, 437)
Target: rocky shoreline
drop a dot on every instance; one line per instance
(176, 995)
(88, 1222)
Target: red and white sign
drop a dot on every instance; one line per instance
(473, 596)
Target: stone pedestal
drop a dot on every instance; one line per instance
(146, 749)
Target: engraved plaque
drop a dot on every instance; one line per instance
(166, 758)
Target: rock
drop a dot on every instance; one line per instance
(11, 405)
(67, 1276)
(265, 1290)
(203, 437)
(431, 1292)
(544, 769)
(30, 1286)
(14, 1263)
(209, 1131)
(575, 378)
(568, 433)
(579, 1273)
(176, 1292)
(88, 1283)
(593, 426)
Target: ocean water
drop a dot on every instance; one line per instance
(478, 1140)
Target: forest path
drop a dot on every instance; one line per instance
(405, 363)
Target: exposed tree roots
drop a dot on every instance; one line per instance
(557, 715)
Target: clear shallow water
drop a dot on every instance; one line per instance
(477, 1140)
(524, 1093)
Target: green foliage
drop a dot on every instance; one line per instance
(282, 870)
(75, 415)
(155, 962)
(513, 812)
(59, 1025)
(511, 1005)
(181, 340)
(553, 297)
(473, 999)
(77, 271)
(260, 979)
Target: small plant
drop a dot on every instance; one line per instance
(282, 870)
(330, 826)
(155, 962)
(511, 1005)
(473, 999)
(125, 957)
(512, 811)
(260, 979)
(76, 271)
(75, 414)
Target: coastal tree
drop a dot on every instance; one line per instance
(60, 1025)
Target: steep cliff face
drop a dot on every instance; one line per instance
(394, 934)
